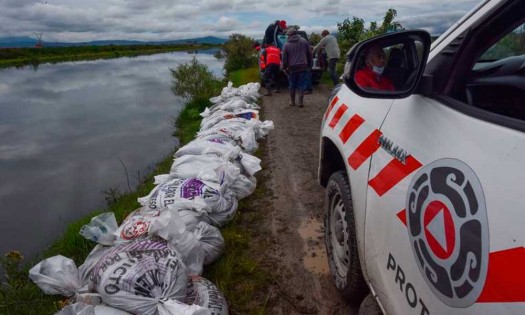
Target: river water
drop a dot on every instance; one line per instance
(69, 131)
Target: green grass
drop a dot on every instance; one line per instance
(237, 272)
(19, 57)
(244, 76)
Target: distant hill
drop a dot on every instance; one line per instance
(19, 42)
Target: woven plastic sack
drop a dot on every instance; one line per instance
(204, 293)
(87, 309)
(220, 207)
(211, 241)
(138, 276)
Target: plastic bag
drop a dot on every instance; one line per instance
(138, 276)
(168, 225)
(204, 293)
(198, 146)
(211, 241)
(243, 186)
(56, 275)
(101, 229)
(220, 207)
(86, 309)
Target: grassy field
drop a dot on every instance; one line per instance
(18, 57)
(237, 272)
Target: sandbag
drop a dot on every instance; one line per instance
(220, 207)
(212, 119)
(243, 186)
(197, 147)
(169, 226)
(138, 276)
(87, 309)
(204, 293)
(211, 241)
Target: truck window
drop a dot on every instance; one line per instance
(497, 81)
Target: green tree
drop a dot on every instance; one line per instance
(314, 38)
(353, 31)
(238, 53)
(193, 81)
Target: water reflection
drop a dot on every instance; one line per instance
(67, 129)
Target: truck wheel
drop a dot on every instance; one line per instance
(340, 239)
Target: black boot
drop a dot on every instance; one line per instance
(292, 97)
(301, 97)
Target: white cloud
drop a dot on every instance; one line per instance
(82, 20)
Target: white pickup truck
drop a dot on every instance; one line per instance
(425, 175)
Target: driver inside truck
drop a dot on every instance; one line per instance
(371, 76)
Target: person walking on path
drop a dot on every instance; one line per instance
(297, 59)
(329, 43)
(272, 60)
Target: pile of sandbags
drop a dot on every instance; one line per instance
(152, 262)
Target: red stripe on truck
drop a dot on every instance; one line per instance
(505, 277)
(331, 106)
(337, 116)
(350, 127)
(392, 174)
(365, 150)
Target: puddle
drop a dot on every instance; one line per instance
(311, 230)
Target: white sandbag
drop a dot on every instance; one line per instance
(197, 146)
(173, 307)
(80, 308)
(138, 276)
(168, 225)
(211, 241)
(204, 293)
(209, 167)
(234, 133)
(243, 186)
(248, 164)
(91, 260)
(100, 229)
(220, 206)
(218, 135)
(264, 129)
(221, 115)
(57, 275)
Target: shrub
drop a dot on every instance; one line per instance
(238, 52)
(193, 81)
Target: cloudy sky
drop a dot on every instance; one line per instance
(85, 20)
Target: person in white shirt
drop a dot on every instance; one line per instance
(329, 43)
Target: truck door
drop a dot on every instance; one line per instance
(445, 216)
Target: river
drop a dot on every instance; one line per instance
(70, 131)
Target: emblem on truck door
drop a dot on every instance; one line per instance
(448, 230)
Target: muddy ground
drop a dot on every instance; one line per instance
(294, 208)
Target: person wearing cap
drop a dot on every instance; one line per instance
(274, 29)
(371, 76)
(329, 43)
(297, 60)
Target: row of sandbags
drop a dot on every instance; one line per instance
(152, 262)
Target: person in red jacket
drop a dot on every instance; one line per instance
(371, 76)
(272, 60)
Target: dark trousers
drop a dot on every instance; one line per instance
(270, 75)
(332, 62)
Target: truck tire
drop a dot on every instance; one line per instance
(340, 240)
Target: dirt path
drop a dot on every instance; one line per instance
(294, 208)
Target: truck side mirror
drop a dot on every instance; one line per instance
(388, 66)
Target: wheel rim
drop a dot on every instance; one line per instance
(339, 235)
